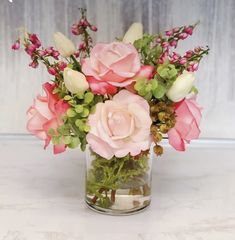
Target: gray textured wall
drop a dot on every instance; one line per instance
(215, 78)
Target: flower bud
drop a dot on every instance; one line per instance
(93, 28)
(134, 33)
(75, 81)
(65, 47)
(52, 71)
(16, 45)
(181, 87)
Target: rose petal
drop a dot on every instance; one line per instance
(175, 140)
(98, 146)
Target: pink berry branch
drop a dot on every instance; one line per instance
(81, 28)
(32, 46)
(172, 38)
(191, 59)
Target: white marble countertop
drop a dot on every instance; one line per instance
(41, 196)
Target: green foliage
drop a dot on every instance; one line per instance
(150, 88)
(114, 173)
(194, 90)
(149, 50)
(167, 71)
(74, 129)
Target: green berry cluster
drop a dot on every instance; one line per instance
(149, 49)
(149, 88)
(73, 131)
(157, 87)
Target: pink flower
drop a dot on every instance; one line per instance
(30, 49)
(103, 87)
(74, 29)
(99, 87)
(52, 71)
(188, 30)
(62, 66)
(46, 113)
(16, 45)
(93, 28)
(120, 126)
(188, 117)
(173, 43)
(169, 33)
(182, 61)
(193, 66)
(112, 64)
(189, 54)
(42, 53)
(165, 44)
(34, 40)
(34, 64)
(183, 35)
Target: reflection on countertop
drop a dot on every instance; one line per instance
(41, 195)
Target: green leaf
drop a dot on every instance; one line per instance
(142, 92)
(51, 132)
(70, 65)
(80, 95)
(80, 124)
(74, 142)
(67, 97)
(148, 87)
(140, 83)
(72, 102)
(63, 129)
(92, 110)
(154, 83)
(55, 90)
(86, 128)
(85, 112)
(67, 140)
(88, 98)
(79, 108)
(71, 113)
(83, 144)
(56, 140)
(160, 91)
(148, 96)
(194, 90)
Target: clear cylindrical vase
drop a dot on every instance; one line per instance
(119, 186)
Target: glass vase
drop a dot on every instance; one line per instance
(119, 186)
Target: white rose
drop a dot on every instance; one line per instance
(65, 47)
(134, 33)
(181, 87)
(75, 81)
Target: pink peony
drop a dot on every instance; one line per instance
(112, 64)
(188, 116)
(46, 113)
(120, 126)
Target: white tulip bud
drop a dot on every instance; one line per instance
(75, 81)
(65, 47)
(134, 33)
(181, 87)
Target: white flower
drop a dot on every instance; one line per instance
(181, 87)
(65, 47)
(134, 33)
(75, 81)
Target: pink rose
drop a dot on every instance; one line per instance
(120, 126)
(111, 65)
(188, 117)
(46, 113)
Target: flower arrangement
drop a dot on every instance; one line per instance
(118, 98)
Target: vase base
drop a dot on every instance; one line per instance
(116, 212)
